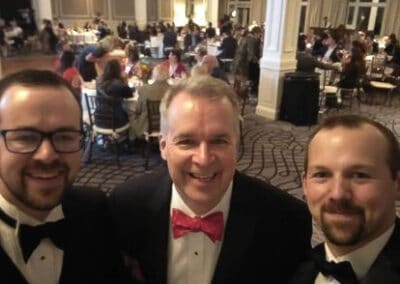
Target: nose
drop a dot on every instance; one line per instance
(341, 188)
(46, 152)
(203, 155)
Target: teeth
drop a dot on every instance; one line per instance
(203, 177)
(44, 175)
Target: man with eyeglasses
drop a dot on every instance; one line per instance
(49, 233)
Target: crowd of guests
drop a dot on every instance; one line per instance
(346, 57)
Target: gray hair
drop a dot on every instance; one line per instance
(199, 86)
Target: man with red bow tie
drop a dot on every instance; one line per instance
(205, 222)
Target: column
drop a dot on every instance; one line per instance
(42, 10)
(279, 53)
(141, 12)
(212, 12)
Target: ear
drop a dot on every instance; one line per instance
(304, 183)
(162, 143)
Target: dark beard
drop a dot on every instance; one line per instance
(23, 196)
(353, 233)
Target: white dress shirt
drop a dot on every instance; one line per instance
(192, 258)
(328, 53)
(45, 263)
(361, 259)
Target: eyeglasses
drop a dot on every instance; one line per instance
(27, 141)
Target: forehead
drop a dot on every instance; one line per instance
(199, 109)
(23, 105)
(184, 101)
(365, 140)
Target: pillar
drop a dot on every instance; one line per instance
(42, 10)
(141, 12)
(279, 53)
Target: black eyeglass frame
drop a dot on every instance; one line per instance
(43, 135)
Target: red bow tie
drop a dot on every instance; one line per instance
(212, 225)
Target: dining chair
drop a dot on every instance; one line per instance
(153, 131)
(113, 135)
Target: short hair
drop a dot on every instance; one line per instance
(201, 50)
(199, 86)
(256, 30)
(352, 121)
(210, 61)
(36, 79)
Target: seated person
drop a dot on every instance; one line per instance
(15, 35)
(153, 92)
(213, 69)
(353, 68)
(69, 72)
(199, 52)
(174, 65)
(111, 90)
(134, 67)
(306, 62)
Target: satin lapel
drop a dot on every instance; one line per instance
(8, 271)
(157, 244)
(238, 233)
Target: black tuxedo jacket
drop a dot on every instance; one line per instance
(267, 233)
(90, 254)
(385, 269)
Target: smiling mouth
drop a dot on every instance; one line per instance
(206, 178)
(45, 176)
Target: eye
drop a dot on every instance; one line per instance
(186, 143)
(360, 175)
(319, 175)
(219, 141)
(23, 136)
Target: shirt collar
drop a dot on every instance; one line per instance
(223, 205)
(362, 258)
(11, 210)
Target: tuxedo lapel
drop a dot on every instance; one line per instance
(157, 239)
(238, 232)
(8, 270)
(307, 272)
(386, 268)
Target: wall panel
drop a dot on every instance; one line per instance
(74, 8)
(152, 10)
(123, 9)
(165, 9)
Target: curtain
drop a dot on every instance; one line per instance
(391, 19)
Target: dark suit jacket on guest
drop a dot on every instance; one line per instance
(307, 63)
(266, 236)
(91, 254)
(228, 47)
(385, 269)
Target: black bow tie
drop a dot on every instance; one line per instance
(341, 271)
(30, 236)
